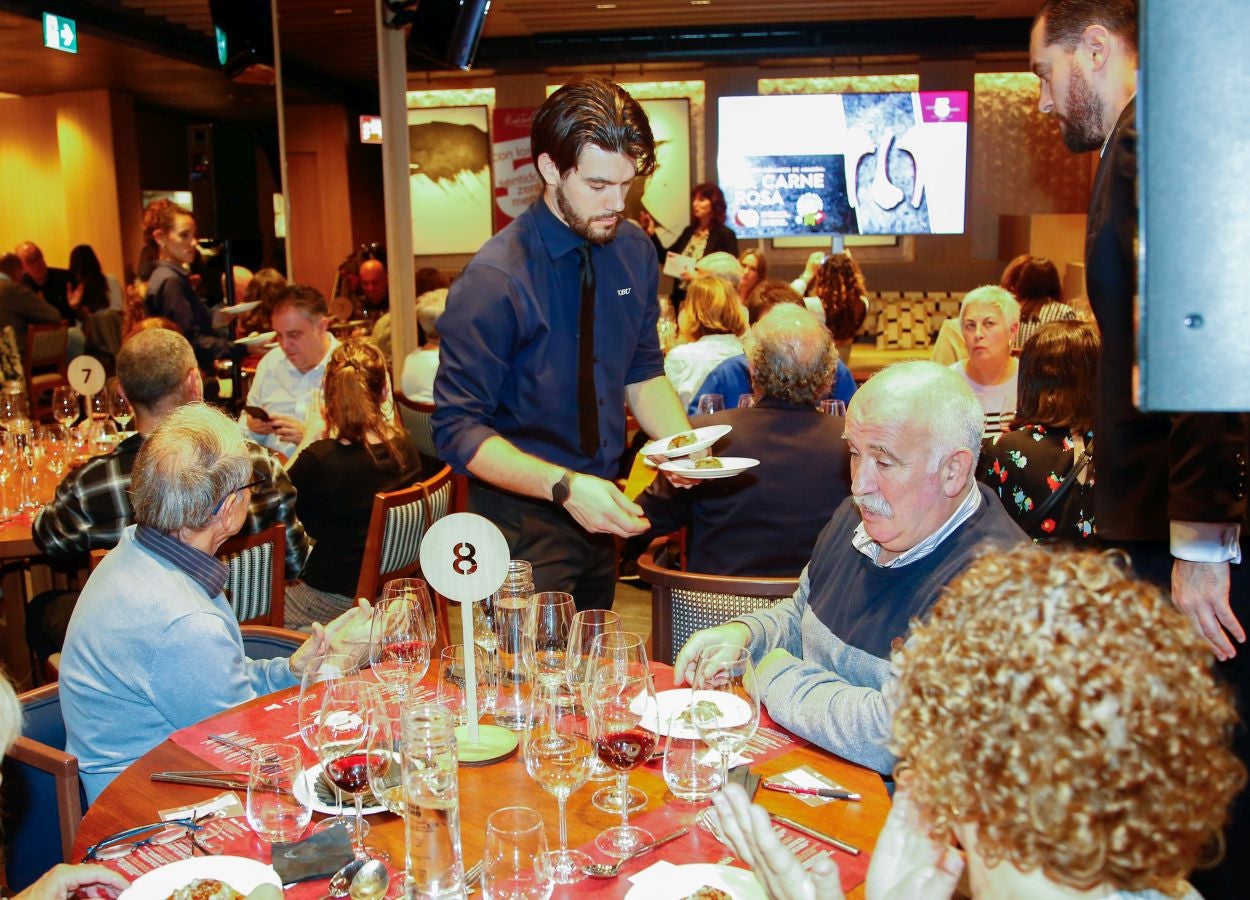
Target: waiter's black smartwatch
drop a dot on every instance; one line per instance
(560, 490)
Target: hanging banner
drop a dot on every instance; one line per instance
(516, 180)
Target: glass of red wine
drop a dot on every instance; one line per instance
(318, 672)
(619, 694)
(612, 647)
(350, 711)
(399, 641)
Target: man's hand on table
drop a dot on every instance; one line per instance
(735, 634)
(907, 863)
(750, 833)
(348, 633)
(63, 881)
(600, 507)
(1200, 591)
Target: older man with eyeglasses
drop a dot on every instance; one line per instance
(153, 645)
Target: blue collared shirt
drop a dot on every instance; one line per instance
(207, 571)
(508, 352)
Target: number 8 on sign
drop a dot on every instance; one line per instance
(464, 563)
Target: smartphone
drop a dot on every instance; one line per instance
(257, 412)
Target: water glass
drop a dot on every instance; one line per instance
(434, 864)
(452, 682)
(547, 635)
(275, 810)
(514, 863)
(710, 403)
(385, 772)
(831, 407)
(725, 701)
(511, 605)
(746, 401)
(691, 770)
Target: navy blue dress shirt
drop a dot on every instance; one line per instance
(509, 341)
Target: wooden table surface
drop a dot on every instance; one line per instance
(132, 799)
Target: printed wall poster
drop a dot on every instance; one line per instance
(449, 179)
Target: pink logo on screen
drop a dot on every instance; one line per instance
(944, 106)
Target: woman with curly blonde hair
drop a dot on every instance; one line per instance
(1058, 720)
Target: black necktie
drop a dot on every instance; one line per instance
(587, 398)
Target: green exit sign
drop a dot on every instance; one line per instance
(60, 33)
(222, 51)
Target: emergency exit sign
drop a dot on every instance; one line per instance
(60, 33)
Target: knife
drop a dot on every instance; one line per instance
(205, 780)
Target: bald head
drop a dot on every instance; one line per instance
(791, 355)
(158, 374)
(32, 261)
(373, 280)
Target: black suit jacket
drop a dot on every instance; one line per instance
(1151, 467)
(55, 291)
(719, 239)
(766, 520)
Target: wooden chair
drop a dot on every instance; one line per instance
(43, 796)
(45, 364)
(256, 583)
(267, 642)
(684, 602)
(399, 522)
(416, 419)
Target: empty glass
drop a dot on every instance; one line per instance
(831, 407)
(710, 403)
(547, 635)
(725, 701)
(452, 692)
(514, 863)
(385, 771)
(746, 401)
(275, 810)
(65, 405)
(691, 770)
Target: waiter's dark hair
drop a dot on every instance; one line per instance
(1066, 20)
(597, 111)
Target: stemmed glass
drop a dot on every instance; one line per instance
(452, 691)
(332, 667)
(101, 409)
(621, 692)
(10, 460)
(585, 627)
(557, 756)
(399, 641)
(349, 714)
(547, 635)
(386, 775)
(710, 403)
(725, 701)
(122, 413)
(613, 648)
(65, 405)
(416, 594)
(55, 444)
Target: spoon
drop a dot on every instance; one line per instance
(371, 881)
(603, 870)
(341, 881)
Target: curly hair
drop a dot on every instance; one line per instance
(161, 215)
(1068, 712)
(356, 386)
(711, 307)
(840, 286)
(792, 356)
(709, 190)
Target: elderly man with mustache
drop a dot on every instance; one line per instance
(915, 518)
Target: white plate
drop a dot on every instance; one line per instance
(682, 881)
(730, 466)
(242, 874)
(252, 339)
(239, 308)
(311, 775)
(707, 436)
(734, 709)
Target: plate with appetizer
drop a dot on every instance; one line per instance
(709, 466)
(255, 340)
(240, 308)
(207, 878)
(674, 708)
(323, 795)
(686, 442)
(698, 881)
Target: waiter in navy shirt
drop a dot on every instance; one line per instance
(549, 332)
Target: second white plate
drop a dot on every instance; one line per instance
(312, 775)
(254, 339)
(729, 467)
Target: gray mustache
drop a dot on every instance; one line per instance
(874, 504)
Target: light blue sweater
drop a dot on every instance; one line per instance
(147, 653)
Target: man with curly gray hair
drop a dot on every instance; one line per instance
(153, 645)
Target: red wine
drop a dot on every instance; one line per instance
(625, 750)
(405, 652)
(349, 772)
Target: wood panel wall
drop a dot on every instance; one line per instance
(320, 225)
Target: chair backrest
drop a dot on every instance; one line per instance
(399, 522)
(267, 642)
(684, 602)
(416, 419)
(43, 796)
(46, 346)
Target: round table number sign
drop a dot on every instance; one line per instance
(85, 374)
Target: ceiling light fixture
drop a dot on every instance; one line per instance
(605, 6)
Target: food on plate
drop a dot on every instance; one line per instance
(704, 709)
(709, 462)
(206, 889)
(707, 892)
(685, 439)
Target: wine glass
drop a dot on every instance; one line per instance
(585, 627)
(348, 717)
(122, 413)
(547, 635)
(710, 403)
(275, 809)
(614, 648)
(399, 643)
(65, 405)
(725, 701)
(832, 407)
(10, 459)
(416, 594)
(55, 445)
(319, 672)
(385, 768)
(746, 401)
(515, 860)
(557, 757)
(101, 409)
(620, 693)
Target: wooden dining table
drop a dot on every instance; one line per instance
(133, 799)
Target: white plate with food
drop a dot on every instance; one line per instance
(241, 874)
(323, 799)
(709, 466)
(687, 442)
(677, 702)
(240, 308)
(680, 882)
(254, 340)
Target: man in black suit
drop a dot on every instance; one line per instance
(765, 521)
(1171, 488)
(49, 283)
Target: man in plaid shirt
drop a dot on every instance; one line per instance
(91, 509)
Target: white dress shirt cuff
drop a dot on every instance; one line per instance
(1209, 542)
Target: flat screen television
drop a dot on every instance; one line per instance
(814, 164)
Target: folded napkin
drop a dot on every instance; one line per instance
(319, 856)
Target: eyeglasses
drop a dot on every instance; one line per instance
(259, 481)
(116, 846)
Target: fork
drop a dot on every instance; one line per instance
(472, 875)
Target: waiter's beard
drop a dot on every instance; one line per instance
(597, 231)
(1082, 125)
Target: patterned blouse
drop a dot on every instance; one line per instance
(1051, 312)
(1028, 464)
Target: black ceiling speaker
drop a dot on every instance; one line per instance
(446, 32)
